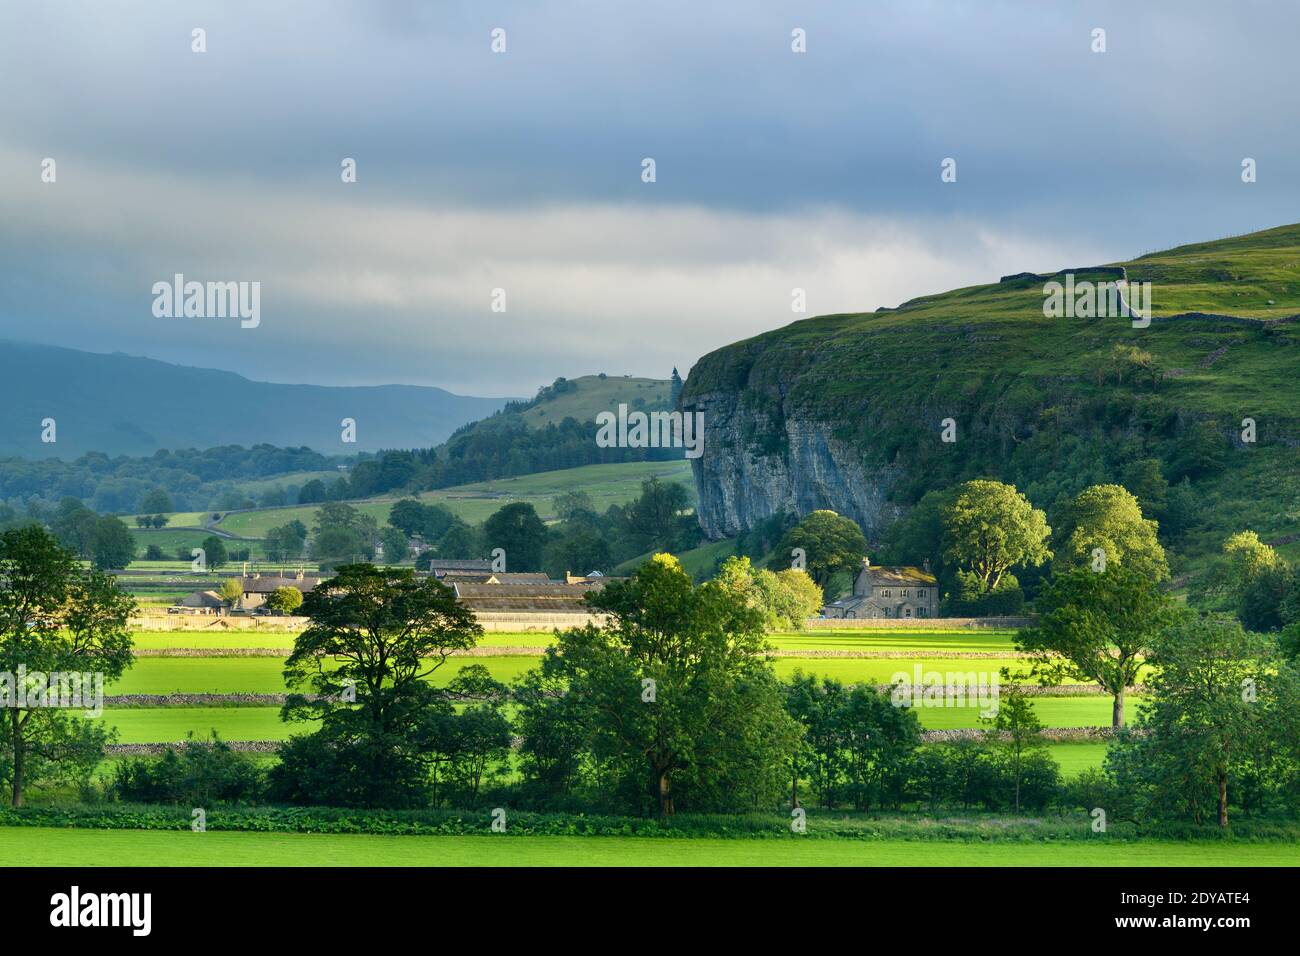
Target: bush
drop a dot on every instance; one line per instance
(195, 773)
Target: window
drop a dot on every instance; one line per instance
(920, 612)
(885, 593)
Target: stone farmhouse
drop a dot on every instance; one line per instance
(885, 592)
(256, 589)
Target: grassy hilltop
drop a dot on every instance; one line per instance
(1055, 404)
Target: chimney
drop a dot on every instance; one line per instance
(866, 562)
(927, 565)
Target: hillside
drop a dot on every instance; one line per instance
(845, 411)
(607, 485)
(122, 405)
(592, 394)
(556, 429)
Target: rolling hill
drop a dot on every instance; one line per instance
(585, 397)
(123, 405)
(848, 411)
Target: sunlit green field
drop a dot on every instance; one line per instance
(262, 675)
(33, 846)
(164, 725)
(929, 643)
(606, 484)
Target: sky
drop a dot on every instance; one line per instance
(523, 170)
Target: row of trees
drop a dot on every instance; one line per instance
(672, 704)
(164, 482)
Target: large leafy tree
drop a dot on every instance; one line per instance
(830, 543)
(1221, 709)
(1109, 518)
(785, 598)
(989, 528)
(519, 531)
(112, 544)
(1097, 626)
(56, 617)
(376, 636)
(654, 520)
(674, 690)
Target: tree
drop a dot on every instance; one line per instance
(1144, 479)
(990, 528)
(830, 543)
(1108, 517)
(112, 545)
(1218, 702)
(460, 541)
(395, 545)
(784, 598)
(157, 502)
(1101, 625)
(286, 542)
(570, 503)
(579, 550)
(312, 492)
(232, 590)
(518, 530)
(376, 637)
(1014, 729)
(428, 522)
(285, 599)
(74, 525)
(675, 691)
(56, 617)
(214, 552)
(654, 518)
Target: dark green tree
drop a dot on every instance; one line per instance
(376, 636)
(518, 530)
(1097, 627)
(830, 543)
(56, 617)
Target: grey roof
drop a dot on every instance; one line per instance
(266, 583)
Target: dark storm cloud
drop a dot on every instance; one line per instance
(522, 170)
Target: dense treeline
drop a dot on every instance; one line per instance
(192, 480)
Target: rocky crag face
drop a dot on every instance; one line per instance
(739, 486)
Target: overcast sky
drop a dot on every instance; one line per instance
(522, 170)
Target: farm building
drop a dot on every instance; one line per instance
(556, 597)
(440, 568)
(258, 587)
(199, 602)
(899, 592)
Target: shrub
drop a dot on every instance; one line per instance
(196, 773)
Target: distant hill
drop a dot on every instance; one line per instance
(585, 397)
(122, 405)
(555, 429)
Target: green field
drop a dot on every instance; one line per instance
(216, 675)
(31, 846)
(165, 725)
(929, 644)
(606, 484)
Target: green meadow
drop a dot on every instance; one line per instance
(33, 846)
(606, 484)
